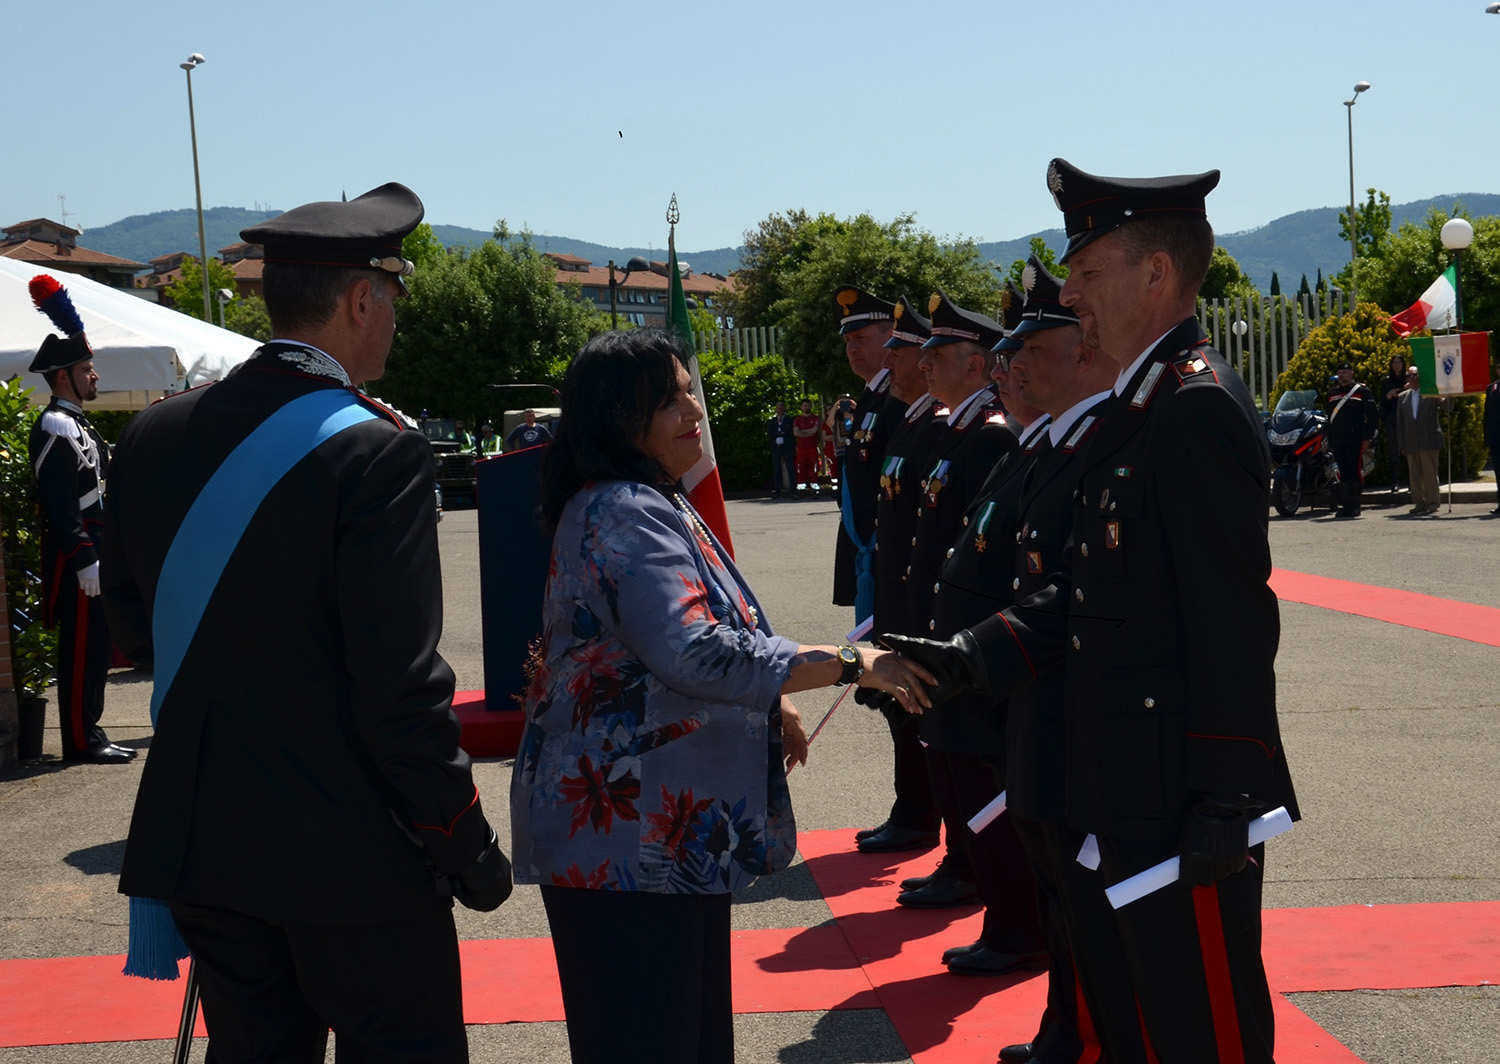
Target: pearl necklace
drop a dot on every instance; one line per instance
(701, 531)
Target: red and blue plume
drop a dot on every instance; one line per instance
(51, 298)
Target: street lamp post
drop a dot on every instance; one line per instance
(635, 264)
(192, 61)
(1353, 223)
(1457, 234)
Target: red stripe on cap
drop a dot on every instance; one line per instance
(1222, 1010)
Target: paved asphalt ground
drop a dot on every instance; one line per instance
(1393, 736)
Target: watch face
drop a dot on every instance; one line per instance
(848, 656)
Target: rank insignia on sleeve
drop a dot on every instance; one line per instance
(1033, 561)
(1191, 365)
(1111, 535)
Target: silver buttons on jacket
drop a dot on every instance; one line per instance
(1078, 594)
(1150, 703)
(1077, 644)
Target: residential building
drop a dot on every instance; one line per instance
(640, 298)
(43, 242)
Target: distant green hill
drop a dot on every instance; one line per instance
(1292, 245)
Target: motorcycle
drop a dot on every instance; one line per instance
(1301, 459)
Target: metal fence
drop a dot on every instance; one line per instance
(747, 343)
(1274, 328)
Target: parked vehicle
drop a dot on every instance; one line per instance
(454, 465)
(1302, 465)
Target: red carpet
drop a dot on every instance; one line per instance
(1461, 620)
(487, 733)
(875, 956)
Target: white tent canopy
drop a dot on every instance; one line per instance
(141, 350)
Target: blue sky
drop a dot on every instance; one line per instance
(950, 110)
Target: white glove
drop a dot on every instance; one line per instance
(88, 579)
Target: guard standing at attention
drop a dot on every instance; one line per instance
(966, 735)
(1173, 746)
(1352, 420)
(71, 463)
(913, 821)
(865, 322)
(306, 810)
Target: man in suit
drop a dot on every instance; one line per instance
(305, 809)
(1419, 437)
(913, 820)
(1172, 743)
(865, 322)
(71, 464)
(783, 452)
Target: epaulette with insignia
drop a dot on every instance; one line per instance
(1190, 363)
(56, 423)
(995, 417)
(1080, 433)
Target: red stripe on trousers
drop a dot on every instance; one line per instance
(1093, 1052)
(1222, 1011)
(1145, 1034)
(80, 659)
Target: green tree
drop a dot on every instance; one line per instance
(186, 293)
(819, 254)
(247, 316)
(423, 248)
(1364, 338)
(1414, 256)
(741, 395)
(1304, 289)
(33, 647)
(1225, 278)
(491, 315)
(1275, 284)
(1039, 248)
(774, 250)
(1374, 219)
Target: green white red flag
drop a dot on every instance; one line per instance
(1456, 364)
(704, 489)
(1436, 308)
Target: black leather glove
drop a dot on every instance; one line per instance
(485, 883)
(876, 699)
(1216, 838)
(957, 662)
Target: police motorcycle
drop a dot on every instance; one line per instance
(1302, 462)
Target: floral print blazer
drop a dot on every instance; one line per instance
(651, 758)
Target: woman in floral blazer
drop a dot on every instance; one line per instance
(650, 780)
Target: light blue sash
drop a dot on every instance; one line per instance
(201, 548)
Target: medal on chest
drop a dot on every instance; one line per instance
(980, 543)
(864, 435)
(890, 477)
(934, 483)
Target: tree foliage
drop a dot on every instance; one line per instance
(1414, 256)
(1364, 338)
(794, 262)
(490, 315)
(741, 395)
(1374, 220)
(247, 316)
(1039, 248)
(186, 293)
(33, 647)
(1225, 278)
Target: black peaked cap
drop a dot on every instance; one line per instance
(858, 308)
(1093, 206)
(953, 324)
(912, 330)
(1044, 308)
(365, 232)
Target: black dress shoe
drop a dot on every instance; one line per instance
(102, 754)
(128, 751)
(959, 951)
(986, 961)
(916, 882)
(865, 833)
(942, 893)
(891, 838)
(1019, 1053)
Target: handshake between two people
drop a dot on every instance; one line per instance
(951, 667)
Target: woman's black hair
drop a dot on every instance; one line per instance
(613, 388)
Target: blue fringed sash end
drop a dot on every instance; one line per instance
(155, 943)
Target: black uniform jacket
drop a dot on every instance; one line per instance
(876, 416)
(901, 475)
(1359, 415)
(1161, 607)
(956, 469)
(1042, 526)
(70, 467)
(306, 764)
(1492, 417)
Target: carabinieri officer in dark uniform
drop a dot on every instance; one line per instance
(1353, 417)
(1165, 618)
(913, 821)
(865, 322)
(71, 464)
(965, 735)
(305, 809)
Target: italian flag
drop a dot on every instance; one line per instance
(704, 490)
(1457, 364)
(1434, 309)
